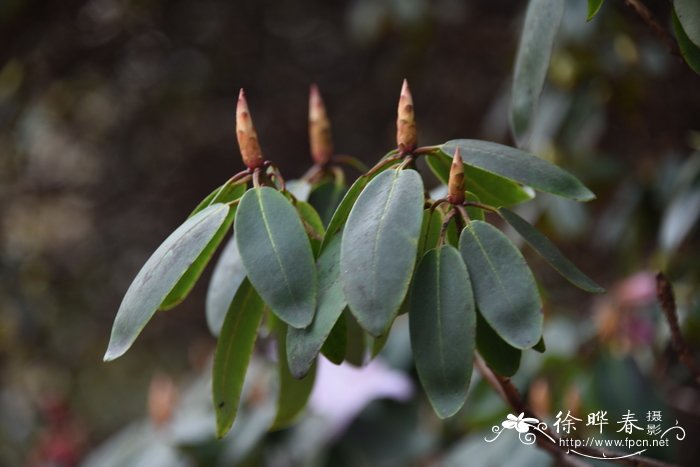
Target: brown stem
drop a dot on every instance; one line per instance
(381, 164)
(664, 293)
(485, 207)
(505, 388)
(648, 17)
(445, 224)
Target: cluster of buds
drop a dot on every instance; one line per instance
(320, 129)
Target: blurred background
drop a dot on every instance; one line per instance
(117, 117)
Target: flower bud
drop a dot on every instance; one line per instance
(455, 185)
(319, 129)
(406, 135)
(247, 137)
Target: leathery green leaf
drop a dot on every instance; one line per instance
(498, 355)
(303, 345)
(532, 61)
(335, 346)
(293, 393)
(224, 194)
(690, 51)
(160, 274)
(355, 348)
(277, 255)
(505, 291)
(519, 166)
(227, 277)
(188, 280)
(550, 252)
(379, 245)
(489, 188)
(442, 322)
(474, 213)
(688, 14)
(233, 353)
(343, 210)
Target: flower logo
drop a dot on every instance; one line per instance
(520, 423)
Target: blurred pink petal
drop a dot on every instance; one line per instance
(637, 290)
(342, 391)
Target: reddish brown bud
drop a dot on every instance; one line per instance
(319, 128)
(247, 137)
(406, 135)
(162, 397)
(455, 185)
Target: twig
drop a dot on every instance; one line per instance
(664, 293)
(648, 17)
(505, 388)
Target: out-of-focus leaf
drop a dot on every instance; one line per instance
(378, 249)
(303, 345)
(301, 189)
(430, 231)
(498, 355)
(679, 218)
(540, 347)
(227, 277)
(519, 166)
(335, 346)
(160, 274)
(312, 224)
(550, 252)
(542, 21)
(690, 51)
(188, 280)
(293, 393)
(688, 14)
(355, 341)
(326, 197)
(593, 8)
(224, 194)
(505, 291)
(277, 255)
(442, 323)
(233, 352)
(489, 188)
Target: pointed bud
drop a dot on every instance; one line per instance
(247, 137)
(455, 185)
(319, 128)
(406, 135)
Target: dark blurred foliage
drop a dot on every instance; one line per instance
(117, 117)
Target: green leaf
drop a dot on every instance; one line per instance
(326, 197)
(293, 393)
(335, 346)
(442, 321)
(688, 14)
(550, 252)
(277, 255)
(343, 210)
(690, 51)
(233, 353)
(300, 189)
(355, 348)
(498, 355)
(505, 291)
(160, 274)
(224, 194)
(540, 347)
(489, 188)
(227, 277)
(519, 166)
(312, 224)
(430, 231)
(593, 8)
(379, 245)
(474, 213)
(184, 286)
(532, 61)
(303, 345)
